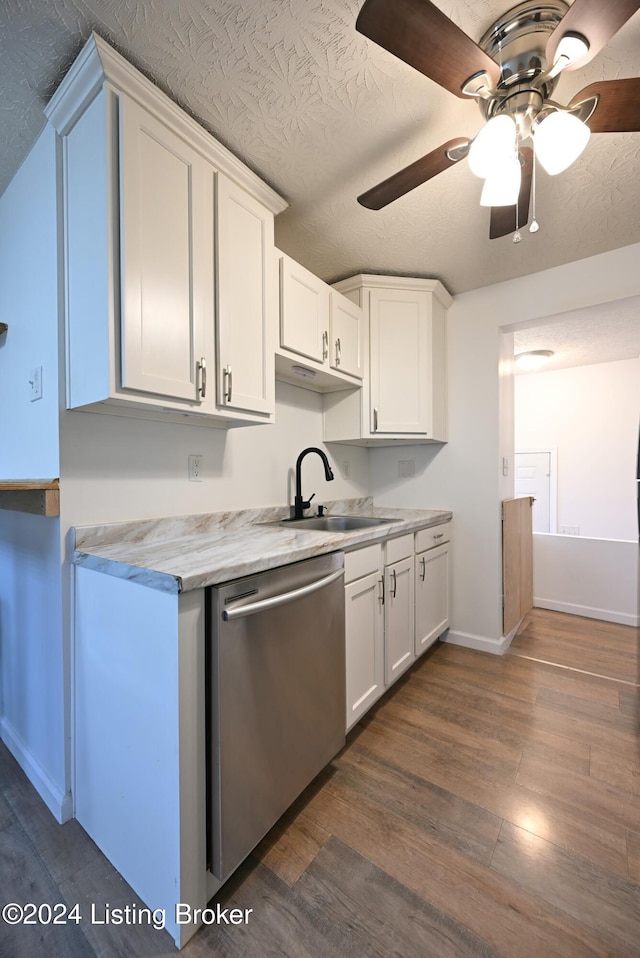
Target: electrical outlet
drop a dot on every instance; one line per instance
(406, 468)
(35, 384)
(195, 467)
(569, 530)
(346, 468)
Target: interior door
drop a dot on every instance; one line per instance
(517, 560)
(533, 478)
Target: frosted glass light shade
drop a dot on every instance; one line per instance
(493, 144)
(533, 360)
(502, 187)
(559, 141)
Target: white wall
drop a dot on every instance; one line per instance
(33, 663)
(466, 475)
(597, 578)
(29, 304)
(591, 414)
(116, 468)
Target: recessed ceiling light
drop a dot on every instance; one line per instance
(533, 359)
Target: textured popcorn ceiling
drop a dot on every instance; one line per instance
(599, 334)
(322, 114)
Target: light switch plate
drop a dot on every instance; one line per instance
(35, 384)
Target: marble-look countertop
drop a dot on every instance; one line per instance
(181, 553)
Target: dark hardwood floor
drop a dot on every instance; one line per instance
(487, 806)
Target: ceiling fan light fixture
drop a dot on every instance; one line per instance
(502, 187)
(493, 145)
(560, 138)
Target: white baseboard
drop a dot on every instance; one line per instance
(479, 642)
(59, 803)
(622, 618)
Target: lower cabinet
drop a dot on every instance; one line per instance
(364, 630)
(431, 584)
(399, 618)
(396, 606)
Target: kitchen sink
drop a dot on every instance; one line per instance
(335, 523)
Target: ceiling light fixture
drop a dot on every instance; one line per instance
(493, 145)
(511, 73)
(502, 185)
(533, 360)
(560, 137)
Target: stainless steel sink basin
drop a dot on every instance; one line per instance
(335, 523)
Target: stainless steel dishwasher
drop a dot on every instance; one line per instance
(276, 675)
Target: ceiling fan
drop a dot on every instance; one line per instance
(511, 73)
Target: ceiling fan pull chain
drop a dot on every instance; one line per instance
(517, 236)
(535, 226)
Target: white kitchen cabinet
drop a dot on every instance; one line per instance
(432, 595)
(399, 618)
(168, 255)
(246, 301)
(404, 394)
(432, 548)
(364, 631)
(321, 332)
(304, 311)
(346, 345)
(166, 246)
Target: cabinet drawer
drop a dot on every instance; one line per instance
(362, 562)
(433, 536)
(399, 548)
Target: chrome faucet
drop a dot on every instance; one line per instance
(299, 504)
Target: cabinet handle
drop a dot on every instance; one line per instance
(395, 583)
(202, 366)
(423, 563)
(325, 345)
(375, 418)
(440, 535)
(338, 351)
(228, 384)
(382, 591)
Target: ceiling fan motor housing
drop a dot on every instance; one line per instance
(517, 41)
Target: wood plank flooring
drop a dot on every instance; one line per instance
(487, 806)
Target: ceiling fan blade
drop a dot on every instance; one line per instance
(414, 175)
(596, 20)
(419, 33)
(618, 109)
(503, 218)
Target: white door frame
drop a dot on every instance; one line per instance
(553, 482)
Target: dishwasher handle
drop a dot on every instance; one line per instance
(275, 600)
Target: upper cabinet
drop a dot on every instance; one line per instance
(321, 332)
(404, 398)
(170, 285)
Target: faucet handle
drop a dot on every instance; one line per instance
(307, 503)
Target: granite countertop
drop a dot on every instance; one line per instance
(181, 553)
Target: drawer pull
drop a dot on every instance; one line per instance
(394, 586)
(423, 572)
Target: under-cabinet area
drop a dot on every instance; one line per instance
(142, 610)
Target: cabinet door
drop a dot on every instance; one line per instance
(246, 301)
(364, 645)
(304, 311)
(166, 257)
(432, 596)
(345, 350)
(399, 618)
(400, 361)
